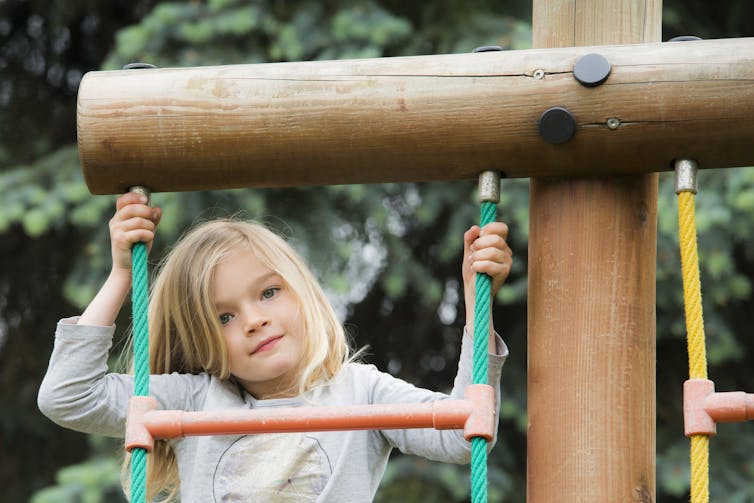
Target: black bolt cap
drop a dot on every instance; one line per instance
(488, 48)
(684, 38)
(557, 125)
(591, 70)
(138, 66)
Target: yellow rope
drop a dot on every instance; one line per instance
(699, 468)
(692, 297)
(692, 290)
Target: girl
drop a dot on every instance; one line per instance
(237, 320)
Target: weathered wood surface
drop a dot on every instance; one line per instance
(415, 118)
(592, 254)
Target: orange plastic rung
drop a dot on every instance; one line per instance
(474, 414)
(481, 422)
(137, 432)
(730, 406)
(703, 407)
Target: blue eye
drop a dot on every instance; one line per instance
(269, 293)
(225, 318)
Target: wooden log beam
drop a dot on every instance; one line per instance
(415, 118)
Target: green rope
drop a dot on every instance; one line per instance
(140, 302)
(482, 307)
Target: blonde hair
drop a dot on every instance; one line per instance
(185, 332)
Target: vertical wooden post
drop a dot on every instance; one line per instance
(592, 249)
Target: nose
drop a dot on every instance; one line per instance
(254, 319)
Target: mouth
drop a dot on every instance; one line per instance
(266, 344)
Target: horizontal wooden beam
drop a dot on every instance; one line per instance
(418, 118)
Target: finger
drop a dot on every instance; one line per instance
(470, 235)
(501, 254)
(129, 212)
(136, 223)
(491, 255)
(156, 215)
(138, 236)
(495, 228)
(130, 198)
(489, 241)
(496, 270)
(135, 210)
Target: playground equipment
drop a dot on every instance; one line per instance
(591, 137)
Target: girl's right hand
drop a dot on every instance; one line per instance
(134, 221)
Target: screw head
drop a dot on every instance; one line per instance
(538, 74)
(556, 125)
(591, 70)
(613, 123)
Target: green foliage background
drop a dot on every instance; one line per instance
(388, 254)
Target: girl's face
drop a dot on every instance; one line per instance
(262, 325)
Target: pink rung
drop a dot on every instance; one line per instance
(703, 407)
(137, 432)
(474, 414)
(481, 422)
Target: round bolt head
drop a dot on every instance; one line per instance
(684, 38)
(488, 48)
(591, 70)
(138, 66)
(557, 125)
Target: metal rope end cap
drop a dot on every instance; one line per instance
(140, 189)
(685, 175)
(489, 187)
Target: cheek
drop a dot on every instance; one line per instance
(299, 327)
(232, 346)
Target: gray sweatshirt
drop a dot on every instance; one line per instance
(79, 393)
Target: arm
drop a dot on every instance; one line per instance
(72, 393)
(485, 251)
(448, 446)
(133, 222)
(77, 392)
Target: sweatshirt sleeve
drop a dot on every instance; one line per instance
(438, 445)
(79, 393)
